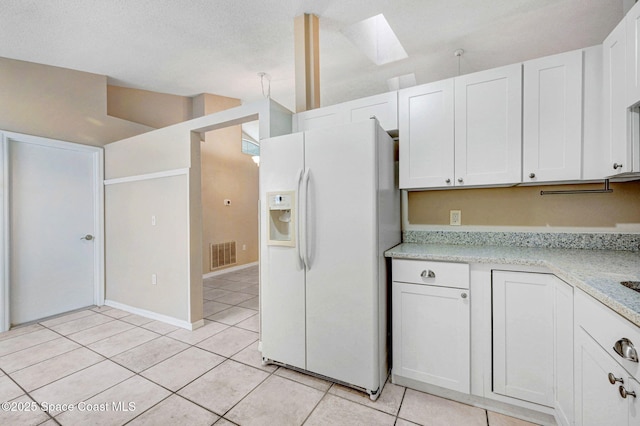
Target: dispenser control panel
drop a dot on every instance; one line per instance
(281, 217)
(280, 201)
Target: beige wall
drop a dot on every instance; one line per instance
(170, 150)
(524, 206)
(135, 248)
(149, 108)
(58, 103)
(227, 173)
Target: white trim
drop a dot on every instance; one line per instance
(5, 220)
(50, 143)
(155, 316)
(98, 226)
(226, 270)
(147, 176)
(188, 248)
(5, 321)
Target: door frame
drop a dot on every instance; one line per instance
(5, 219)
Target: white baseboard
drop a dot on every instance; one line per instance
(155, 316)
(227, 270)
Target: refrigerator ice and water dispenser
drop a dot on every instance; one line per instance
(281, 217)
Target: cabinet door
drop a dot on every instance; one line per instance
(632, 24)
(597, 401)
(523, 336)
(563, 351)
(426, 135)
(384, 107)
(618, 155)
(552, 126)
(488, 127)
(320, 118)
(431, 335)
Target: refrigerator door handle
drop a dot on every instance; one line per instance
(305, 185)
(298, 220)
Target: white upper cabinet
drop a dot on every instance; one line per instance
(552, 118)
(426, 135)
(384, 107)
(632, 24)
(462, 132)
(488, 127)
(617, 157)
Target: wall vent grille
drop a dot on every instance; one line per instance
(223, 254)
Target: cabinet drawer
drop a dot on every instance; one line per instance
(431, 273)
(607, 327)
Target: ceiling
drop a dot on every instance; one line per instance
(188, 47)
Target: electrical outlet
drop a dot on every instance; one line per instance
(455, 217)
(154, 279)
(244, 247)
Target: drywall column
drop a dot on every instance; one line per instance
(307, 60)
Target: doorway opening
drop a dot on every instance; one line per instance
(230, 241)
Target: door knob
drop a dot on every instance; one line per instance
(87, 237)
(460, 180)
(613, 379)
(617, 166)
(532, 175)
(624, 393)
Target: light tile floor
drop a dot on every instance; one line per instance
(114, 368)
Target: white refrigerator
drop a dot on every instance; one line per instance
(329, 208)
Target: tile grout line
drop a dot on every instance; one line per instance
(190, 345)
(28, 395)
(404, 393)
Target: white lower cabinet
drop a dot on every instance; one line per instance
(523, 336)
(599, 402)
(606, 386)
(532, 342)
(542, 350)
(431, 328)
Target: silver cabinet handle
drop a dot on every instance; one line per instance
(429, 274)
(617, 166)
(463, 295)
(532, 175)
(460, 180)
(624, 348)
(448, 180)
(613, 379)
(624, 393)
(87, 237)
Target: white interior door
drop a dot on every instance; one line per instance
(51, 214)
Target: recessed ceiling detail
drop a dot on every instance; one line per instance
(375, 38)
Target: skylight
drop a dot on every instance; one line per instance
(375, 38)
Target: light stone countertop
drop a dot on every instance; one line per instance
(596, 272)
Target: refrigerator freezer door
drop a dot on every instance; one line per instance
(342, 284)
(282, 279)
